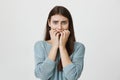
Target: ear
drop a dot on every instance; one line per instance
(49, 24)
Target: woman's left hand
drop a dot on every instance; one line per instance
(64, 35)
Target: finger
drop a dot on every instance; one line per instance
(52, 32)
(64, 33)
(61, 34)
(57, 35)
(67, 32)
(55, 32)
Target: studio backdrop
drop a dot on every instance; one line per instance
(96, 25)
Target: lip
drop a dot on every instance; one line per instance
(59, 30)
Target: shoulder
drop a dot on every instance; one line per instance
(79, 45)
(79, 49)
(39, 44)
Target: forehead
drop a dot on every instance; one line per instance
(58, 17)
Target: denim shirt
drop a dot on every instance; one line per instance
(46, 69)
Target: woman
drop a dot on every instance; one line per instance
(59, 56)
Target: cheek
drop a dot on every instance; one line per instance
(66, 27)
(53, 26)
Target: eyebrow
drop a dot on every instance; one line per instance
(64, 20)
(58, 21)
(55, 20)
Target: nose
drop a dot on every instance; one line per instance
(60, 26)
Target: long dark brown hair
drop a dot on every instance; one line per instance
(60, 10)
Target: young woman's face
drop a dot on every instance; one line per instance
(58, 22)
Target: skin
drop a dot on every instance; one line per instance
(59, 34)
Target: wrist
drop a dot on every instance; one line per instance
(62, 47)
(55, 47)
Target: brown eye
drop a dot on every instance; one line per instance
(55, 22)
(64, 22)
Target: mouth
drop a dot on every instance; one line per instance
(59, 31)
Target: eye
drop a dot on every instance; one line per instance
(64, 22)
(55, 22)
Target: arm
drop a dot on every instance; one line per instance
(73, 68)
(41, 64)
(41, 70)
(53, 53)
(62, 46)
(64, 56)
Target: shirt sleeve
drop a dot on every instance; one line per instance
(73, 70)
(43, 66)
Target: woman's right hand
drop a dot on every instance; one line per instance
(54, 35)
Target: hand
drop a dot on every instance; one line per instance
(64, 35)
(54, 38)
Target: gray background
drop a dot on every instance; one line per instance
(96, 23)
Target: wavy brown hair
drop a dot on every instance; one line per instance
(60, 10)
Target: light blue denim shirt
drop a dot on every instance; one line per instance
(46, 69)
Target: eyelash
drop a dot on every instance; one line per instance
(62, 22)
(55, 22)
